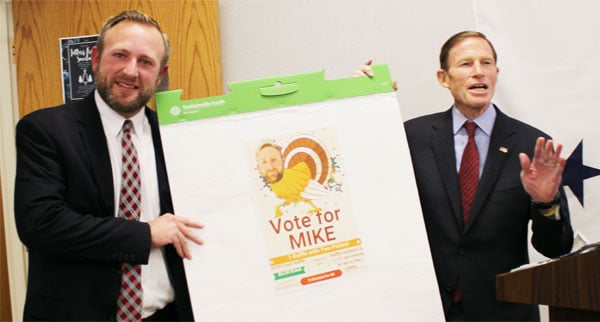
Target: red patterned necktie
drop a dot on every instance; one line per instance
(468, 177)
(468, 174)
(129, 304)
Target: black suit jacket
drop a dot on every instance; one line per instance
(494, 239)
(64, 209)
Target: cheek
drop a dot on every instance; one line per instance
(107, 68)
(454, 81)
(151, 76)
(456, 85)
(262, 167)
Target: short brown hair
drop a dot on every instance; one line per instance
(455, 39)
(139, 17)
(268, 145)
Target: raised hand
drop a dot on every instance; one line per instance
(542, 176)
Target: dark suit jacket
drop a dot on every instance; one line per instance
(494, 239)
(64, 209)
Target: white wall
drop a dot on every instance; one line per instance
(264, 38)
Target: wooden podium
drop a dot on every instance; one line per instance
(570, 286)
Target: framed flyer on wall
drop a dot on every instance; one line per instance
(308, 197)
(76, 62)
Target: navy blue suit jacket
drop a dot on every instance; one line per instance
(494, 239)
(64, 211)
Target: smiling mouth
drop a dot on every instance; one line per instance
(126, 85)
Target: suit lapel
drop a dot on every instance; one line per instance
(501, 147)
(442, 139)
(166, 204)
(94, 143)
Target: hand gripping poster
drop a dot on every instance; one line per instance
(308, 198)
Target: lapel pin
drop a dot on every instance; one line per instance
(503, 149)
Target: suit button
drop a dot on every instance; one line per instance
(461, 251)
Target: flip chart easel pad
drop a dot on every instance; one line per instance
(229, 277)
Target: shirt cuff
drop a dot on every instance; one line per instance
(550, 209)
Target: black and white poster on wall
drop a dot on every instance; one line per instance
(76, 62)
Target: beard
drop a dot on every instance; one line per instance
(103, 85)
(273, 176)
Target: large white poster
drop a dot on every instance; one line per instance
(307, 194)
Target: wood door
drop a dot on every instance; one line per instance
(192, 27)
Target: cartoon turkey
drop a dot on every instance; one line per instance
(296, 173)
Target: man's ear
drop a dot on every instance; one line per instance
(442, 77)
(162, 74)
(95, 58)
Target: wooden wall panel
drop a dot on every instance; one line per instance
(192, 27)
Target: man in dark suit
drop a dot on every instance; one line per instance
(68, 186)
(512, 189)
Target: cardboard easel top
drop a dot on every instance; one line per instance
(269, 93)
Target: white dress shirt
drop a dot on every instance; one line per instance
(156, 286)
(483, 133)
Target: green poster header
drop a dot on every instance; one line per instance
(269, 93)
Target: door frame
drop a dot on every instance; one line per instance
(9, 115)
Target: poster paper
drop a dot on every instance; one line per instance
(309, 202)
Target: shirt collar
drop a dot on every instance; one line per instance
(113, 121)
(485, 121)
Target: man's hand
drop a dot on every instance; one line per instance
(170, 229)
(366, 70)
(542, 176)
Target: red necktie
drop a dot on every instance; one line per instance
(468, 174)
(129, 303)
